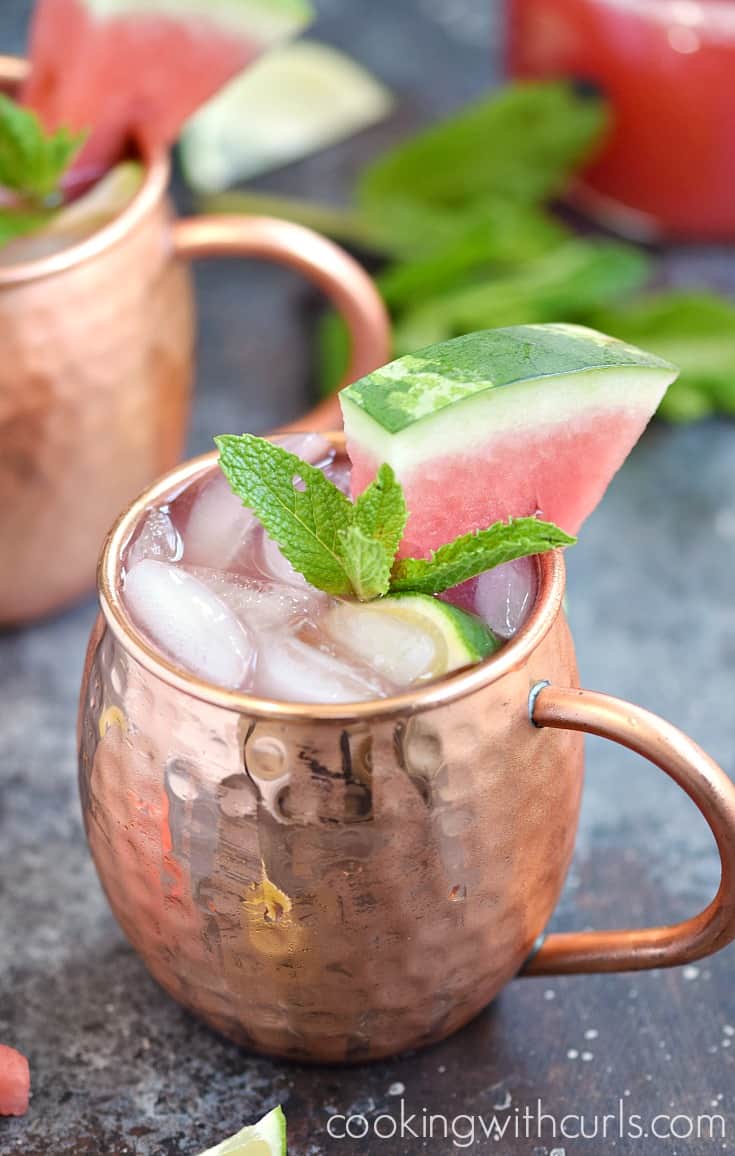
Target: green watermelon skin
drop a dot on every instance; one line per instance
(510, 422)
(135, 70)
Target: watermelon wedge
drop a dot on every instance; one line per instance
(502, 423)
(138, 69)
(15, 1082)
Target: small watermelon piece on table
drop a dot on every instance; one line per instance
(138, 69)
(15, 1082)
(531, 419)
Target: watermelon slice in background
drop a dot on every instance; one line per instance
(15, 1082)
(502, 423)
(140, 68)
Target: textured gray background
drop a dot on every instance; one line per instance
(119, 1068)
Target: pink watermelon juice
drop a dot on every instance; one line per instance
(208, 587)
(668, 165)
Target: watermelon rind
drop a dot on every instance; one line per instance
(269, 1131)
(265, 21)
(446, 397)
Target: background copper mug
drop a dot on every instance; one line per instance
(97, 345)
(341, 883)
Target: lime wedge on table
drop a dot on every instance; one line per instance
(294, 101)
(266, 1138)
(409, 638)
(80, 219)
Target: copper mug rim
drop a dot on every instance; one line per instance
(512, 654)
(155, 182)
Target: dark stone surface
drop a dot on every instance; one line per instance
(117, 1067)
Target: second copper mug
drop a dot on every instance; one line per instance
(340, 883)
(97, 348)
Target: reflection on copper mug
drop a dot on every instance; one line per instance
(95, 375)
(341, 883)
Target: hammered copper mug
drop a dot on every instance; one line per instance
(97, 347)
(340, 883)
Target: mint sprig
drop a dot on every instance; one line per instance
(32, 161)
(380, 511)
(474, 553)
(366, 562)
(349, 549)
(306, 523)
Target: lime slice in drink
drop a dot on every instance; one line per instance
(409, 638)
(81, 218)
(294, 101)
(266, 1138)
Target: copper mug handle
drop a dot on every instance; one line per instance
(340, 277)
(707, 786)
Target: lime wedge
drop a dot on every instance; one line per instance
(409, 638)
(266, 1138)
(292, 102)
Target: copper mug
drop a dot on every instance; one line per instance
(341, 883)
(95, 375)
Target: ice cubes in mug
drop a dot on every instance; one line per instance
(190, 623)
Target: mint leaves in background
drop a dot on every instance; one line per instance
(462, 215)
(349, 549)
(32, 164)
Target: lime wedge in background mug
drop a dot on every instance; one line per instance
(266, 1138)
(293, 102)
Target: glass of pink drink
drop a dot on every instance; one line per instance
(314, 842)
(668, 166)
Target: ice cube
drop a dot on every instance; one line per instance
(189, 622)
(339, 473)
(218, 528)
(503, 597)
(310, 447)
(291, 669)
(272, 564)
(263, 606)
(395, 644)
(157, 537)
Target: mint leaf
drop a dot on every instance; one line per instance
(695, 330)
(19, 222)
(31, 161)
(521, 144)
(367, 563)
(474, 553)
(306, 523)
(568, 281)
(380, 511)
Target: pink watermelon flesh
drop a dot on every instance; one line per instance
(558, 473)
(528, 420)
(125, 78)
(15, 1082)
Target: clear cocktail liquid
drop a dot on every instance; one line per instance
(207, 586)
